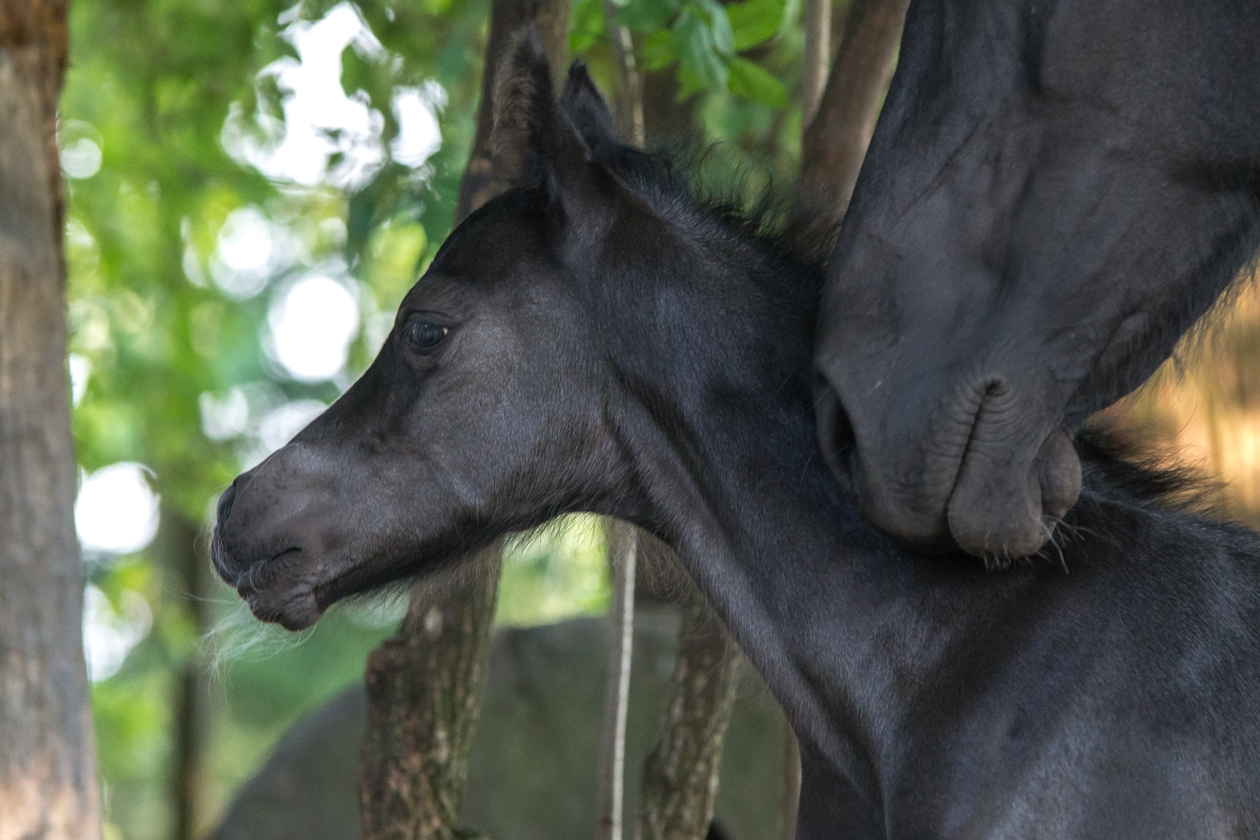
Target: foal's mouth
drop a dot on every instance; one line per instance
(252, 576)
(274, 588)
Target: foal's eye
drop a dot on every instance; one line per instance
(423, 335)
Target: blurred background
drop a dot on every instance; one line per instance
(252, 185)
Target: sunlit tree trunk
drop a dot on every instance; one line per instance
(835, 142)
(48, 787)
(424, 685)
(424, 695)
(817, 56)
(680, 776)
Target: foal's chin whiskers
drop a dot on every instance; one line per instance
(239, 636)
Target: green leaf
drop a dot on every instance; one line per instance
(587, 25)
(752, 82)
(697, 53)
(719, 26)
(658, 50)
(755, 21)
(689, 84)
(647, 15)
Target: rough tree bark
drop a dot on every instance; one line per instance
(680, 775)
(424, 694)
(47, 765)
(424, 684)
(835, 142)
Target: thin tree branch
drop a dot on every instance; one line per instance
(624, 547)
(629, 95)
(623, 538)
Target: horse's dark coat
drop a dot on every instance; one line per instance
(1055, 191)
(613, 346)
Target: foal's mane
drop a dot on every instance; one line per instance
(670, 179)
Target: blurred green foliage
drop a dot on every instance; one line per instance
(169, 112)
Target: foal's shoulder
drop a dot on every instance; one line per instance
(1155, 511)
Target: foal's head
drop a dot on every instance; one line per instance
(570, 324)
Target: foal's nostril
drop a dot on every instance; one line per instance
(226, 500)
(218, 555)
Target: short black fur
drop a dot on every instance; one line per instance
(634, 353)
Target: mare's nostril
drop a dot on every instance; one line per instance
(835, 433)
(226, 500)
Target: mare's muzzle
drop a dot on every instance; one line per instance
(986, 469)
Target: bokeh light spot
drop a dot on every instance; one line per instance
(116, 511)
(311, 326)
(109, 634)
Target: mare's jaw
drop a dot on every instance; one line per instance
(1018, 256)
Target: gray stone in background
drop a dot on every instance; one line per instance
(532, 774)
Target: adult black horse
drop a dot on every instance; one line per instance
(597, 340)
(1055, 191)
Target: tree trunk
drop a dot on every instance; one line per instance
(424, 685)
(817, 56)
(47, 766)
(835, 142)
(507, 17)
(680, 776)
(424, 695)
(182, 545)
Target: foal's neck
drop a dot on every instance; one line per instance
(742, 494)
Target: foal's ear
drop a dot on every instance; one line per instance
(532, 140)
(586, 107)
